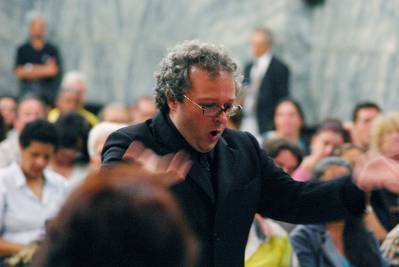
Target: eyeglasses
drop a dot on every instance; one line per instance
(214, 110)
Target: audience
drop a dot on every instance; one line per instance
(340, 243)
(8, 109)
(390, 247)
(377, 217)
(115, 218)
(329, 134)
(143, 109)
(29, 109)
(38, 64)
(71, 158)
(363, 115)
(76, 80)
(3, 129)
(95, 143)
(115, 112)
(288, 124)
(385, 141)
(285, 154)
(68, 100)
(29, 193)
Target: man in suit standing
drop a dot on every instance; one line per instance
(266, 81)
(229, 177)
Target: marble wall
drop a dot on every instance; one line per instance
(339, 53)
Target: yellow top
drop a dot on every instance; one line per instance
(90, 117)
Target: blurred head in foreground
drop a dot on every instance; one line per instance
(118, 219)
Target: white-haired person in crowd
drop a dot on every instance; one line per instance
(72, 97)
(97, 137)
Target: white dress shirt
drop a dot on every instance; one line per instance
(258, 71)
(22, 214)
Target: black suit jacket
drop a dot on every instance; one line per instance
(248, 182)
(274, 87)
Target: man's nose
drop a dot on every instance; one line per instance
(222, 116)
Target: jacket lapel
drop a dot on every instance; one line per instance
(225, 167)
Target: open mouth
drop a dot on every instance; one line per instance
(214, 133)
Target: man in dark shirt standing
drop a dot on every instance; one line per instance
(38, 64)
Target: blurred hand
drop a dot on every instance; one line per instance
(168, 169)
(375, 171)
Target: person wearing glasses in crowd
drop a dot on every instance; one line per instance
(223, 177)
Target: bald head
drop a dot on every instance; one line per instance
(37, 28)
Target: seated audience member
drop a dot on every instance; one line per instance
(8, 109)
(385, 141)
(116, 218)
(362, 117)
(329, 134)
(97, 137)
(377, 215)
(29, 193)
(390, 247)
(288, 123)
(143, 109)
(285, 154)
(73, 131)
(29, 109)
(115, 112)
(68, 101)
(340, 243)
(288, 157)
(268, 245)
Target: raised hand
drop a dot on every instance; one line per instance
(168, 169)
(375, 171)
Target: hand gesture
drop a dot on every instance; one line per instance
(168, 169)
(375, 171)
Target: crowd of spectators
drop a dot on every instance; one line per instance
(50, 142)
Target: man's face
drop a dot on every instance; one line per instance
(8, 109)
(201, 132)
(35, 158)
(362, 125)
(286, 160)
(80, 88)
(68, 102)
(259, 44)
(37, 29)
(29, 110)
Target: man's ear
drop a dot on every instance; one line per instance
(172, 103)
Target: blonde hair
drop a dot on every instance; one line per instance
(382, 125)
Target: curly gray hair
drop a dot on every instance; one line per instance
(172, 79)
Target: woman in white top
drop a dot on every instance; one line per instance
(29, 194)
